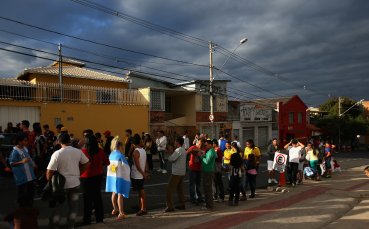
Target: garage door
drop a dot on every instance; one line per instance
(247, 133)
(263, 136)
(17, 114)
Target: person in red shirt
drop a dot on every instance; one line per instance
(91, 180)
(195, 171)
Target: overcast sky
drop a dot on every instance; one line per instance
(322, 46)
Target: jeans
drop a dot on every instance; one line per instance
(72, 198)
(251, 181)
(175, 184)
(218, 184)
(150, 163)
(234, 188)
(162, 160)
(195, 182)
(208, 189)
(92, 198)
(293, 172)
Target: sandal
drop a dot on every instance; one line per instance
(121, 217)
(141, 213)
(115, 212)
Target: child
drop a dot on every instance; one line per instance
(235, 178)
(336, 166)
(251, 174)
(25, 216)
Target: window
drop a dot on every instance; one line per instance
(290, 118)
(104, 96)
(299, 117)
(206, 103)
(157, 102)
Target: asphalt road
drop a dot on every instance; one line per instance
(155, 189)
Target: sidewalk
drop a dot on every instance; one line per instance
(340, 202)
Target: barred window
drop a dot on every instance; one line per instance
(157, 102)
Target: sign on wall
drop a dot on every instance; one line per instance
(249, 112)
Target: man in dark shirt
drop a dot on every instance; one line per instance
(108, 140)
(128, 149)
(272, 148)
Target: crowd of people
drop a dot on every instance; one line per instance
(63, 166)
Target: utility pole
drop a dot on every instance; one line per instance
(60, 72)
(211, 116)
(339, 126)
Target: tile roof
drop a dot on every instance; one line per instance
(69, 61)
(73, 72)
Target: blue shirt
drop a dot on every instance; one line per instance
(23, 173)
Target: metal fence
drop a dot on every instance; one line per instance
(51, 92)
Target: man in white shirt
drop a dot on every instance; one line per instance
(294, 148)
(186, 143)
(178, 159)
(70, 163)
(161, 142)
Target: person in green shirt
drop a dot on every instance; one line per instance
(208, 168)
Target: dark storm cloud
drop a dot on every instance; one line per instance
(321, 45)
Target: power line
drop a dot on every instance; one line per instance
(101, 44)
(161, 29)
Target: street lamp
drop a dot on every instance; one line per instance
(341, 114)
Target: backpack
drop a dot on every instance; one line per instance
(222, 144)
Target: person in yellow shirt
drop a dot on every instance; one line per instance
(252, 149)
(228, 153)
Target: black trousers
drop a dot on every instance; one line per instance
(293, 172)
(234, 188)
(150, 163)
(92, 198)
(26, 193)
(251, 182)
(219, 187)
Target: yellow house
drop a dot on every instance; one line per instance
(87, 100)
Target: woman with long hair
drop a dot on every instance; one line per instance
(251, 173)
(312, 155)
(91, 180)
(242, 183)
(118, 178)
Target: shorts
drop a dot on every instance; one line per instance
(137, 184)
(270, 165)
(301, 166)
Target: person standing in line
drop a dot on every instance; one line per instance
(227, 158)
(108, 139)
(208, 165)
(150, 147)
(294, 148)
(236, 167)
(99, 139)
(23, 169)
(236, 141)
(69, 162)
(91, 180)
(161, 142)
(302, 161)
(40, 149)
(243, 182)
(272, 149)
(30, 135)
(186, 144)
(118, 180)
(222, 143)
(312, 154)
(139, 173)
(251, 174)
(178, 160)
(328, 149)
(194, 165)
(128, 146)
(252, 149)
(218, 180)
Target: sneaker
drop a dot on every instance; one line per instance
(169, 210)
(252, 196)
(204, 208)
(159, 170)
(293, 185)
(163, 171)
(269, 181)
(275, 181)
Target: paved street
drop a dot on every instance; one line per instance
(155, 189)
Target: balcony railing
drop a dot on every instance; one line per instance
(50, 92)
